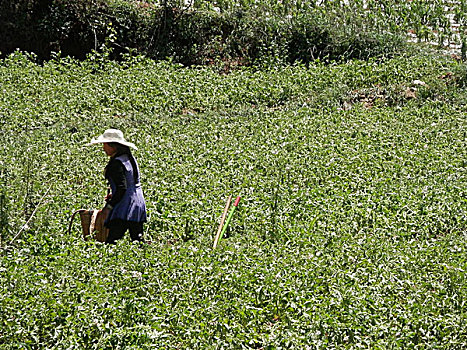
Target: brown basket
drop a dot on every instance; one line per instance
(92, 224)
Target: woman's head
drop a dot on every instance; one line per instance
(115, 148)
(109, 149)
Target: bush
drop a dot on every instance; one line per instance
(19, 25)
(189, 36)
(73, 27)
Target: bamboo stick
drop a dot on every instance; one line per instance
(224, 215)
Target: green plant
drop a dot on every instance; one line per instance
(349, 234)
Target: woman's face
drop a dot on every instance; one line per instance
(109, 150)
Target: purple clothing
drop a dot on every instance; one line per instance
(131, 207)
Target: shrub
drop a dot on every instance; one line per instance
(19, 25)
(73, 27)
(191, 35)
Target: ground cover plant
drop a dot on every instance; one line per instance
(350, 232)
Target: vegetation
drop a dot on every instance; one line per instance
(350, 232)
(235, 32)
(347, 147)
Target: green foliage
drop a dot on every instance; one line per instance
(373, 294)
(237, 33)
(71, 26)
(4, 227)
(350, 232)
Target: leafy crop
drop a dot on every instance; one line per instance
(350, 232)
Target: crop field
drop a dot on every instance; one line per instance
(350, 234)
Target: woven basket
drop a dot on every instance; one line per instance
(92, 224)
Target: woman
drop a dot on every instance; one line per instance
(125, 207)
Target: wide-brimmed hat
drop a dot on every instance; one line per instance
(112, 135)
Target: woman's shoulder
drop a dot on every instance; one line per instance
(122, 157)
(114, 164)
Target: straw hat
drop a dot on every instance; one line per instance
(112, 135)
